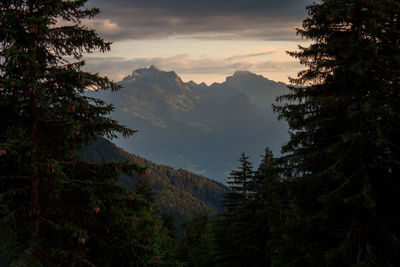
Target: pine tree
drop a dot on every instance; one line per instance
(263, 214)
(343, 155)
(266, 208)
(239, 179)
(55, 208)
(232, 226)
(266, 173)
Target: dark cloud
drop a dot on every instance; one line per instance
(201, 8)
(210, 19)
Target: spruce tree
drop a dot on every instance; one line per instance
(266, 173)
(239, 179)
(343, 155)
(55, 208)
(233, 225)
(266, 208)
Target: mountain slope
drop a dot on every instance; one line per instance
(194, 126)
(179, 192)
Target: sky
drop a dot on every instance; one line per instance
(201, 40)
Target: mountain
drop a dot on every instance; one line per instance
(194, 126)
(177, 192)
(260, 90)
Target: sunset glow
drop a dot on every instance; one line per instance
(201, 42)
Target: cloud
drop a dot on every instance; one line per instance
(250, 55)
(105, 26)
(203, 19)
(117, 68)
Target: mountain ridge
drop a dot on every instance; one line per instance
(194, 126)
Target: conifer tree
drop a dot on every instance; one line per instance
(263, 214)
(232, 226)
(55, 208)
(343, 155)
(266, 173)
(239, 179)
(265, 209)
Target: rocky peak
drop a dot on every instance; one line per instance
(151, 71)
(243, 74)
(192, 83)
(156, 82)
(154, 68)
(242, 79)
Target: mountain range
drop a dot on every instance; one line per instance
(194, 126)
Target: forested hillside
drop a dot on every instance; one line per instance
(178, 192)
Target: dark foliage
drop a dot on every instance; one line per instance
(343, 155)
(198, 246)
(56, 209)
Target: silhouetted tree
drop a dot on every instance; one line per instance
(343, 155)
(239, 179)
(55, 208)
(232, 226)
